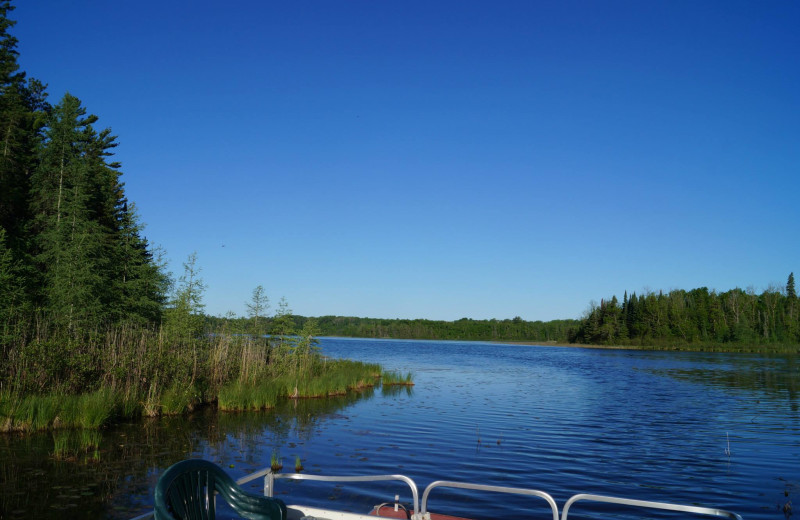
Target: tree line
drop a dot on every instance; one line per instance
(465, 329)
(71, 246)
(699, 317)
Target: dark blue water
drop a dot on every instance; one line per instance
(719, 430)
(715, 429)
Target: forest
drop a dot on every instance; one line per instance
(698, 319)
(732, 320)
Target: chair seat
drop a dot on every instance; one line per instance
(186, 492)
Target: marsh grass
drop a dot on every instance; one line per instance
(57, 411)
(240, 396)
(71, 444)
(275, 462)
(96, 409)
(177, 399)
(53, 379)
(397, 378)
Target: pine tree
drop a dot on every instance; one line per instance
(790, 292)
(257, 309)
(140, 284)
(22, 108)
(71, 242)
(184, 317)
(11, 286)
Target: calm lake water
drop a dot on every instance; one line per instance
(720, 430)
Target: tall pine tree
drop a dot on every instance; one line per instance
(22, 107)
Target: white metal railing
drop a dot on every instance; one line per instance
(647, 504)
(269, 481)
(422, 513)
(484, 487)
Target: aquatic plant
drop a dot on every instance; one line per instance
(275, 462)
(240, 396)
(56, 411)
(95, 409)
(298, 464)
(397, 378)
(178, 399)
(69, 444)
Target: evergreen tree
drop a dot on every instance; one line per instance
(22, 106)
(184, 317)
(94, 264)
(71, 241)
(257, 310)
(11, 287)
(140, 285)
(790, 292)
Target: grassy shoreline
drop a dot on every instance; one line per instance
(101, 408)
(752, 349)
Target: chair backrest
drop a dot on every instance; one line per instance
(186, 491)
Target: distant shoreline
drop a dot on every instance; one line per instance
(755, 349)
(573, 345)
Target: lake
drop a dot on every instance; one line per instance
(712, 429)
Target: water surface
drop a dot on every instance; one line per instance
(720, 430)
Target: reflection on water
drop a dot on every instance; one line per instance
(774, 377)
(116, 478)
(703, 428)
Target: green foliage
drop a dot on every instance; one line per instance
(57, 410)
(397, 378)
(238, 396)
(184, 316)
(699, 318)
(257, 309)
(71, 255)
(464, 329)
(178, 398)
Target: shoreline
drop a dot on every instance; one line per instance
(753, 349)
(530, 343)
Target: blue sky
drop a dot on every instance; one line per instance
(440, 160)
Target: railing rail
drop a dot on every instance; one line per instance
(485, 487)
(269, 481)
(647, 504)
(421, 511)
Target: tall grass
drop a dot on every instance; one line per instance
(57, 411)
(68, 444)
(238, 396)
(55, 379)
(397, 378)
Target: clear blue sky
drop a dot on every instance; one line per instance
(405, 159)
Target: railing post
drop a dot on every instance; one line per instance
(269, 482)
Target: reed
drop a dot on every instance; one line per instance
(70, 444)
(56, 411)
(52, 378)
(178, 399)
(238, 396)
(97, 409)
(275, 462)
(397, 378)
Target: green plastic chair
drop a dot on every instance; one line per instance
(186, 491)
